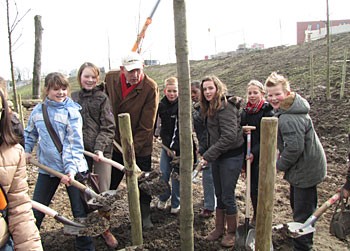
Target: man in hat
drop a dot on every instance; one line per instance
(131, 91)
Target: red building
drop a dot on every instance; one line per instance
(315, 25)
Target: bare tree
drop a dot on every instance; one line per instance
(10, 30)
(185, 118)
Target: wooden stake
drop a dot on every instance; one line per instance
(131, 178)
(267, 176)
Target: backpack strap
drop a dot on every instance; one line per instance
(56, 140)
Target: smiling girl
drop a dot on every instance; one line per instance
(225, 153)
(66, 121)
(255, 110)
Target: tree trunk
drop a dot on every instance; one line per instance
(9, 33)
(37, 57)
(185, 116)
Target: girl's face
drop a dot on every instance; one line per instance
(195, 93)
(171, 92)
(254, 94)
(209, 90)
(58, 94)
(88, 78)
(275, 95)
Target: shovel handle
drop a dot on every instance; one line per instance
(312, 219)
(44, 209)
(108, 161)
(73, 182)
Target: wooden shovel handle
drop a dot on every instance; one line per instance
(247, 127)
(108, 161)
(326, 205)
(44, 209)
(73, 182)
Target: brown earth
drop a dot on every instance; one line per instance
(331, 120)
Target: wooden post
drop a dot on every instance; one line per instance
(20, 110)
(343, 77)
(131, 178)
(267, 175)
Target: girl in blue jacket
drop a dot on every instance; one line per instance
(66, 120)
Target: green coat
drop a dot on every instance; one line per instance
(302, 157)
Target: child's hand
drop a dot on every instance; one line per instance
(28, 157)
(250, 157)
(98, 156)
(66, 179)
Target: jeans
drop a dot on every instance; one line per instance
(208, 188)
(9, 245)
(144, 163)
(45, 189)
(303, 202)
(166, 169)
(226, 172)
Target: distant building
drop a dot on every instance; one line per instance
(312, 30)
(151, 62)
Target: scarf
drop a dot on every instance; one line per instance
(125, 89)
(254, 108)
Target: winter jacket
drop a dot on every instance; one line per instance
(17, 127)
(255, 120)
(225, 135)
(141, 103)
(66, 120)
(200, 129)
(169, 130)
(13, 178)
(98, 120)
(302, 157)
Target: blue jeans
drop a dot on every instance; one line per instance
(166, 170)
(226, 172)
(208, 188)
(45, 189)
(303, 202)
(9, 245)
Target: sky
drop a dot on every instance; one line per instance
(84, 30)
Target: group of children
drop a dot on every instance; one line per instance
(218, 123)
(89, 124)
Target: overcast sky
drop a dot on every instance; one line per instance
(76, 31)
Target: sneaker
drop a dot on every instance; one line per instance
(175, 210)
(206, 213)
(109, 238)
(162, 205)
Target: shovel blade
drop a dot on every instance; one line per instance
(250, 241)
(241, 236)
(295, 229)
(109, 197)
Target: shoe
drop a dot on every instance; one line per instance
(109, 238)
(175, 210)
(162, 205)
(206, 213)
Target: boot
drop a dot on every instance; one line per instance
(219, 225)
(146, 216)
(229, 238)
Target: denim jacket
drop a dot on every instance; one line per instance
(67, 122)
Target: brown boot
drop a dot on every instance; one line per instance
(110, 240)
(229, 238)
(219, 225)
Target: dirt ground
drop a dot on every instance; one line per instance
(331, 121)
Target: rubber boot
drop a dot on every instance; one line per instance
(229, 238)
(219, 225)
(146, 216)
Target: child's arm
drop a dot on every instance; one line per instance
(30, 135)
(292, 145)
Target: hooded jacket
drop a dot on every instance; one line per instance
(13, 178)
(66, 120)
(98, 120)
(302, 157)
(141, 103)
(225, 134)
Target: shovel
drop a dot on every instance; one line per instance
(49, 211)
(104, 200)
(297, 229)
(243, 230)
